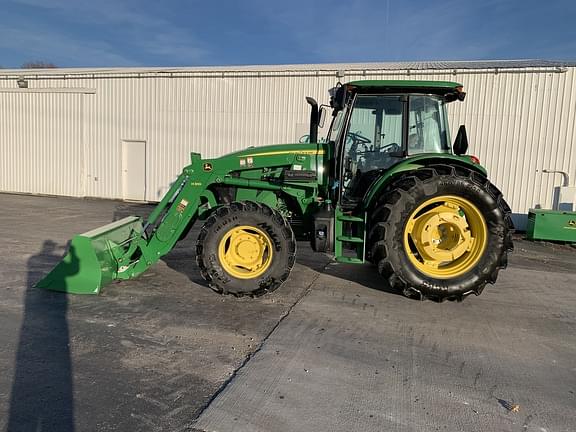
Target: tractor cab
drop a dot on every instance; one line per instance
(377, 124)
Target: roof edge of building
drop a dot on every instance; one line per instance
(451, 65)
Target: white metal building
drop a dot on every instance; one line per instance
(126, 133)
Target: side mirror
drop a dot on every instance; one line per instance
(322, 116)
(338, 97)
(460, 146)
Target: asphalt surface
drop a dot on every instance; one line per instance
(333, 349)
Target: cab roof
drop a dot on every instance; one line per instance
(392, 86)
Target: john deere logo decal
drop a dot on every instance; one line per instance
(207, 166)
(572, 223)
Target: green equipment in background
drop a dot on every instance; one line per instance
(552, 225)
(385, 187)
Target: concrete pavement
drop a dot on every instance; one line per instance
(333, 349)
(351, 358)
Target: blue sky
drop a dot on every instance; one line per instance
(104, 33)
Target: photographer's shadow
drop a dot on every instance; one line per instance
(42, 390)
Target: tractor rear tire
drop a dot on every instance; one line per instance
(441, 232)
(245, 248)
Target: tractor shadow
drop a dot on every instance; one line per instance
(362, 274)
(182, 258)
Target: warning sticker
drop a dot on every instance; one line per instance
(182, 206)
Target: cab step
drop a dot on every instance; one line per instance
(349, 260)
(350, 238)
(348, 218)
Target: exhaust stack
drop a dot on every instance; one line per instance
(314, 119)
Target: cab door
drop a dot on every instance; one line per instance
(373, 141)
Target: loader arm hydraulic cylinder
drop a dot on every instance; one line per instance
(173, 215)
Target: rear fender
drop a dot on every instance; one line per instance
(413, 164)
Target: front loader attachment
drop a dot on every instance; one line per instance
(126, 248)
(94, 258)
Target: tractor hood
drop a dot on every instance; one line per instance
(279, 150)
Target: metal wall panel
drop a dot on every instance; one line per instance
(520, 125)
(519, 121)
(41, 143)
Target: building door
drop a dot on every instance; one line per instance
(134, 170)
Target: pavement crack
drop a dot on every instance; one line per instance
(264, 340)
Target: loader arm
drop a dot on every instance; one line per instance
(124, 249)
(178, 209)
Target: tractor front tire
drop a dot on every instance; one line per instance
(245, 248)
(440, 232)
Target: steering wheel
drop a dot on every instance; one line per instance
(358, 139)
(390, 148)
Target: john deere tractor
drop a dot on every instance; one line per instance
(385, 187)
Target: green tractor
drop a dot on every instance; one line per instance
(384, 187)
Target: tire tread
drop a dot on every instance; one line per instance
(218, 280)
(380, 224)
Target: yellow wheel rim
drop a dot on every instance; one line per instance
(445, 236)
(245, 252)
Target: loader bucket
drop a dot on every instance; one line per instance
(92, 259)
